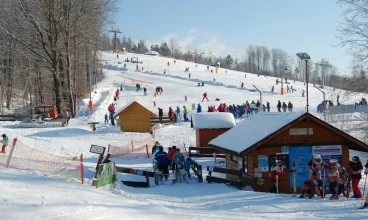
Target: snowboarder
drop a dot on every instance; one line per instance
(205, 96)
(5, 142)
(162, 162)
(355, 172)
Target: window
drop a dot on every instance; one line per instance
(234, 158)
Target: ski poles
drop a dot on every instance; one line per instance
(294, 176)
(277, 183)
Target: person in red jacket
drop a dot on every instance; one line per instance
(117, 93)
(276, 175)
(171, 112)
(205, 96)
(171, 157)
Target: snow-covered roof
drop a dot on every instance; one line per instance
(254, 129)
(213, 120)
(126, 106)
(152, 53)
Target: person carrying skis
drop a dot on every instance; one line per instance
(333, 177)
(162, 162)
(5, 142)
(276, 175)
(355, 169)
(279, 106)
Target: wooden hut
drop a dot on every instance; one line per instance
(134, 117)
(209, 125)
(254, 145)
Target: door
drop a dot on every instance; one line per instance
(301, 156)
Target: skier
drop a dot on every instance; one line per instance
(187, 164)
(273, 87)
(366, 197)
(121, 87)
(162, 162)
(160, 114)
(268, 107)
(179, 160)
(290, 107)
(315, 172)
(279, 106)
(303, 93)
(178, 113)
(355, 169)
(287, 89)
(171, 157)
(117, 94)
(189, 75)
(164, 71)
(5, 142)
(174, 61)
(144, 91)
(276, 175)
(106, 118)
(333, 177)
(277, 81)
(205, 96)
(168, 63)
(208, 67)
(284, 106)
(171, 112)
(193, 106)
(292, 89)
(202, 84)
(199, 108)
(155, 147)
(185, 112)
(338, 100)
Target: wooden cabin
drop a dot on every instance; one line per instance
(209, 125)
(134, 117)
(255, 143)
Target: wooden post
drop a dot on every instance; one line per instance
(132, 145)
(11, 152)
(82, 168)
(147, 150)
(108, 148)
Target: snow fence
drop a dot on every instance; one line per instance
(24, 157)
(137, 149)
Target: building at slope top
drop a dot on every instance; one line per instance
(210, 125)
(255, 143)
(134, 117)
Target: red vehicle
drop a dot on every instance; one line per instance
(47, 109)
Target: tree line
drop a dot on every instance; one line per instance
(48, 50)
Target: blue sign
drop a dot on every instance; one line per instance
(301, 156)
(263, 163)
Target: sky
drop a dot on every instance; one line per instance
(228, 27)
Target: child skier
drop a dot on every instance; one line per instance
(276, 175)
(315, 170)
(187, 164)
(333, 177)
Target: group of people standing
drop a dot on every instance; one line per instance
(173, 160)
(284, 106)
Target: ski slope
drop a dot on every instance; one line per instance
(31, 195)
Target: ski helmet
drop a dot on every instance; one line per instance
(3, 135)
(317, 158)
(333, 160)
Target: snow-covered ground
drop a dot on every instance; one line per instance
(30, 195)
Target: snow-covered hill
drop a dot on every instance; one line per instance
(30, 195)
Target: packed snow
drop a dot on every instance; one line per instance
(32, 195)
(256, 128)
(213, 120)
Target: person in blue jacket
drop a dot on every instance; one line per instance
(162, 162)
(5, 142)
(199, 108)
(187, 164)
